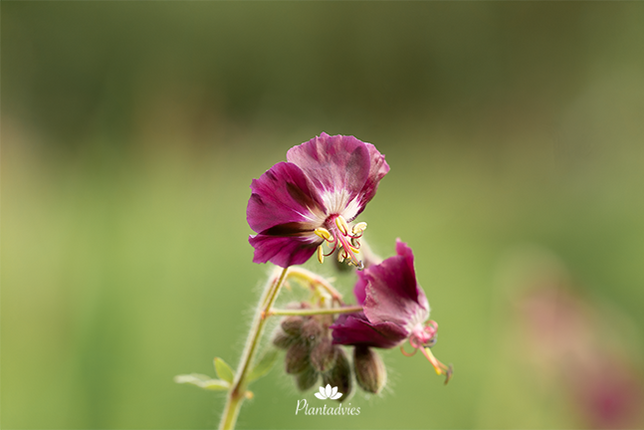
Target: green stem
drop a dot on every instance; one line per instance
(312, 279)
(305, 312)
(237, 392)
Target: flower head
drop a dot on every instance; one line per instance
(395, 309)
(298, 205)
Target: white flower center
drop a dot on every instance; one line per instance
(337, 202)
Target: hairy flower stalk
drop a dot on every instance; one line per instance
(237, 392)
(306, 378)
(317, 311)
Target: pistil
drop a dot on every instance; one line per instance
(423, 338)
(439, 367)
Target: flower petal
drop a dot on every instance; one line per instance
(392, 292)
(355, 329)
(377, 170)
(345, 170)
(283, 195)
(283, 251)
(360, 288)
(285, 210)
(320, 396)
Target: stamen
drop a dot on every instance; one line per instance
(432, 323)
(431, 342)
(341, 256)
(349, 252)
(405, 353)
(332, 250)
(414, 344)
(323, 233)
(430, 330)
(342, 225)
(439, 367)
(320, 254)
(338, 236)
(359, 228)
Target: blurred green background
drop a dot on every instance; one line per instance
(131, 132)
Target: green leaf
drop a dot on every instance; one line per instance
(224, 371)
(216, 385)
(202, 381)
(190, 379)
(263, 365)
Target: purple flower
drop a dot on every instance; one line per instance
(298, 205)
(395, 309)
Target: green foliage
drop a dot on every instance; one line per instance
(264, 365)
(224, 371)
(203, 381)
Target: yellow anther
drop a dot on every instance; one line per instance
(359, 228)
(341, 256)
(342, 225)
(323, 233)
(320, 254)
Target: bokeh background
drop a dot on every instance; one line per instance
(131, 132)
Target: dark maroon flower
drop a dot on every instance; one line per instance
(395, 309)
(311, 198)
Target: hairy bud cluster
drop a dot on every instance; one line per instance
(311, 354)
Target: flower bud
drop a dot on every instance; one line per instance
(340, 375)
(292, 325)
(297, 358)
(311, 331)
(283, 340)
(306, 379)
(370, 371)
(323, 355)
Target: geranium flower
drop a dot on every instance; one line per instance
(298, 205)
(395, 309)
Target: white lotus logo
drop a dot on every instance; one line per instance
(328, 392)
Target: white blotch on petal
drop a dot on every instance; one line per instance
(418, 318)
(337, 202)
